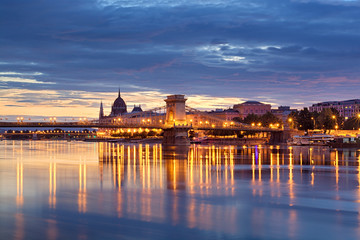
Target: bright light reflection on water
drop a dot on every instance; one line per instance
(79, 190)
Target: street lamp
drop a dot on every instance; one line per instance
(290, 120)
(334, 117)
(312, 118)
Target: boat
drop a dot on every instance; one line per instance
(345, 142)
(199, 140)
(315, 139)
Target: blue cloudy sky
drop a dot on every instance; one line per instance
(63, 57)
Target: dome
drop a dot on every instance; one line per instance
(253, 102)
(136, 109)
(118, 107)
(119, 103)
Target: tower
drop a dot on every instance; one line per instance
(101, 114)
(175, 109)
(119, 106)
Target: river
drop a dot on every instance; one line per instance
(82, 190)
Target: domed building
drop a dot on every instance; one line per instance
(119, 107)
(252, 107)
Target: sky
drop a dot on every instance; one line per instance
(61, 58)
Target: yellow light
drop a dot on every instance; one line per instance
(160, 120)
(207, 122)
(252, 124)
(191, 119)
(290, 119)
(333, 116)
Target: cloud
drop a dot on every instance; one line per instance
(282, 50)
(22, 80)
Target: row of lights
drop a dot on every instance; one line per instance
(52, 131)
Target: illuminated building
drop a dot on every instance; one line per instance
(227, 114)
(282, 111)
(346, 109)
(252, 107)
(118, 108)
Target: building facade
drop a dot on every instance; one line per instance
(346, 109)
(252, 107)
(227, 114)
(118, 108)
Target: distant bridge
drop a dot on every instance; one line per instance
(96, 124)
(175, 119)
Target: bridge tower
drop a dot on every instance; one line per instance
(176, 133)
(175, 110)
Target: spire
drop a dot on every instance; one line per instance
(119, 93)
(101, 114)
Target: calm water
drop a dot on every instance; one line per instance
(78, 190)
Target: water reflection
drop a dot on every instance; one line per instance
(52, 185)
(82, 187)
(228, 190)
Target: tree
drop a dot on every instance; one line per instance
(269, 118)
(327, 119)
(304, 120)
(352, 123)
(251, 118)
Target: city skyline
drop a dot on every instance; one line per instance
(64, 57)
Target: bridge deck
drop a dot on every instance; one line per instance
(10, 125)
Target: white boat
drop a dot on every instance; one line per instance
(315, 139)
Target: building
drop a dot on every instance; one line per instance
(282, 111)
(346, 109)
(118, 108)
(252, 107)
(227, 114)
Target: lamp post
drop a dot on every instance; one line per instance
(290, 120)
(312, 118)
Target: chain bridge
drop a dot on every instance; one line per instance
(175, 118)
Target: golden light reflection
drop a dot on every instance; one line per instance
(336, 164)
(82, 195)
(19, 184)
(291, 181)
(52, 185)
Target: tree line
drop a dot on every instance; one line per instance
(327, 119)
